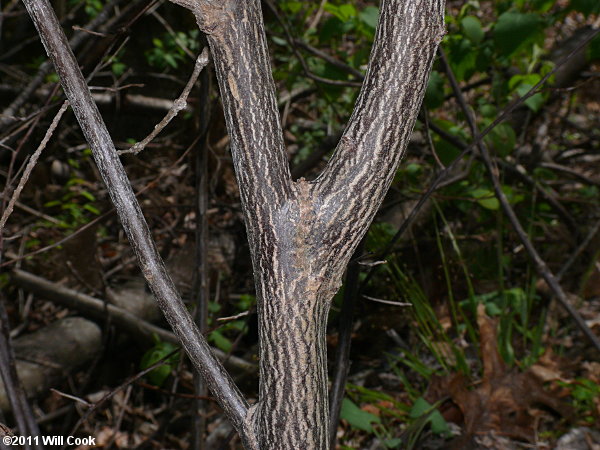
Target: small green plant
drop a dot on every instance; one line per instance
(168, 51)
(380, 415)
(221, 337)
(77, 204)
(160, 350)
(584, 394)
(91, 7)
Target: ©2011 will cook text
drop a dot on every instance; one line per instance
(49, 440)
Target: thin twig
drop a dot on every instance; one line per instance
(236, 317)
(170, 30)
(291, 41)
(71, 397)
(85, 30)
(581, 177)
(99, 219)
(119, 388)
(330, 59)
(315, 21)
(436, 158)
(201, 279)
(97, 308)
(31, 164)
(178, 105)
(7, 116)
(549, 196)
(386, 302)
(567, 265)
(22, 411)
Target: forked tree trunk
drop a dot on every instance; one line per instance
(301, 234)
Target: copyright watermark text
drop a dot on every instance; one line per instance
(49, 440)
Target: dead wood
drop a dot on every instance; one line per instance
(75, 341)
(98, 309)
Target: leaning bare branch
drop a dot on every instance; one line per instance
(132, 219)
(540, 265)
(445, 173)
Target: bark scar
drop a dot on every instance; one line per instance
(210, 14)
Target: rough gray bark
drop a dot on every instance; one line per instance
(132, 219)
(302, 234)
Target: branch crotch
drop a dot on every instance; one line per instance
(294, 303)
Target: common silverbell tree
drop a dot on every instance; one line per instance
(302, 233)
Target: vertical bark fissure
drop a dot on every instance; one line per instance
(362, 168)
(302, 234)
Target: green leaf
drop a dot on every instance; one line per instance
(292, 7)
(170, 60)
(502, 139)
(512, 196)
(161, 349)
(279, 41)
(462, 57)
(593, 52)
(543, 5)
(485, 198)
(369, 16)
(491, 309)
(530, 78)
(534, 102)
(472, 29)
(333, 27)
(348, 11)
(515, 30)
(220, 341)
(393, 443)
(92, 209)
(445, 150)
(435, 419)
(488, 110)
(118, 68)
(356, 417)
(420, 407)
(88, 195)
(343, 12)
(438, 423)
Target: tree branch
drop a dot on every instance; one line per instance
(238, 43)
(365, 161)
(132, 219)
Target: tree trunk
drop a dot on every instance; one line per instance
(302, 234)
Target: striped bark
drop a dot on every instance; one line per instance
(302, 234)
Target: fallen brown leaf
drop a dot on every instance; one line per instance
(503, 402)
